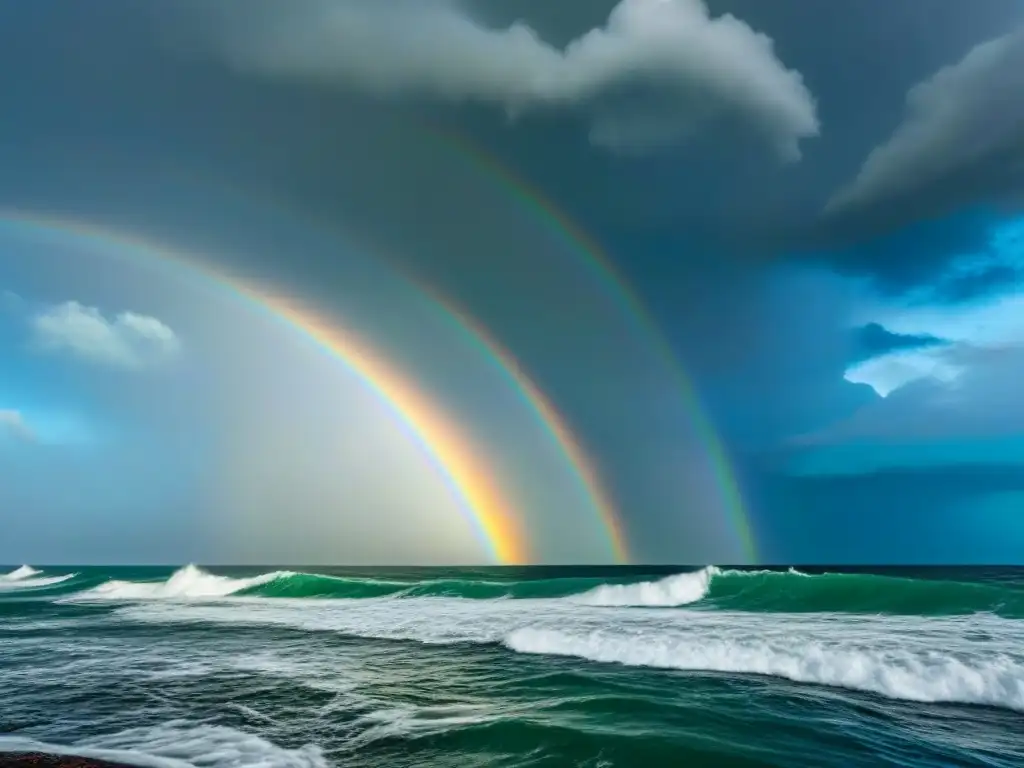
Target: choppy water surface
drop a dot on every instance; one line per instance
(515, 667)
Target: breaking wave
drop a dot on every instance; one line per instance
(188, 582)
(709, 588)
(681, 589)
(178, 745)
(22, 572)
(910, 674)
(903, 638)
(962, 659)
(265, 650)
(26, 577)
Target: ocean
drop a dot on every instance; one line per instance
(540, 666)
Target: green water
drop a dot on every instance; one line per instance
(593, 667)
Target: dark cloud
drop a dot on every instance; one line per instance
(654, 73)
(896, 255)
(932, 189)
(986, 281)
(126, 80)
(961, 138)
(874, 340)
(958, 258)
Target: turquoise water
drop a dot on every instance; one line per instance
(227, 667)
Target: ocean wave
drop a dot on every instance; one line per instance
(187, 582)
(964, 659)
(192, 582)
(19, 573)
(671, 591)
(27, 577)
(408, 720)
(179, 745)
(907, 674)
(793, 591)
(709, 588)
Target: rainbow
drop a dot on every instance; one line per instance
(556, 426)
(617, 290)
(546, 415)
(471, 482)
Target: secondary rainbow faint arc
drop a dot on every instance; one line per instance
(493, 517)
(501, 360)
(603, 271)
(553, 420)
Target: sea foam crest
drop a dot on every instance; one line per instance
(910, 675)
(27, 577)
(680, 589)
(175, 745)
(22, 572)
(966, 659)
(185, 583)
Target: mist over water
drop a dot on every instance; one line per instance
(515, 667)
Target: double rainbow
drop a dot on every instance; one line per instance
(470, 477)
(471, 480)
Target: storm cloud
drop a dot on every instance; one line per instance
(961, 138)
(873, 340)
(656, 72)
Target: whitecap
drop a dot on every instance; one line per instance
(180, 745)
(190, 582)
(671, 591)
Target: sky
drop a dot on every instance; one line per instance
(651, 281)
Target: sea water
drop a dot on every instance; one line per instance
(301, 668)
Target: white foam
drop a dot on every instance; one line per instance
(128, 757)
(179, 745)
(680, 589)
(22, 572)
(46, 581)
(671, 591)
(912, 674)
(27, 577)
(404, 720)
(975, 659)
(189, 582)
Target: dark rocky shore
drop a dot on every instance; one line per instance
(44, 760)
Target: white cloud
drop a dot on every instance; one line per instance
(127, 340)
(12, 423)
(970, 393)
(657, 71)
(980, 334)
(887, 373)
(982, 401)
(962, 127)
(968, 389)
